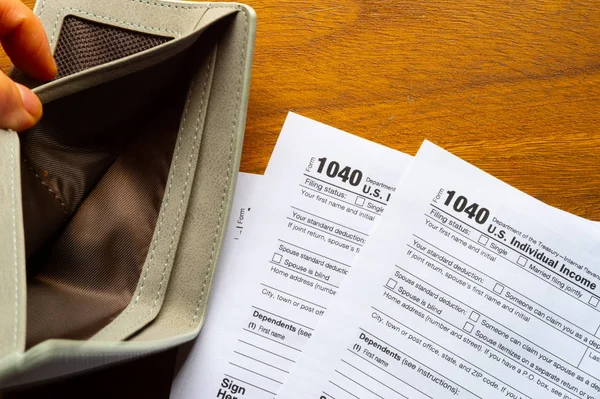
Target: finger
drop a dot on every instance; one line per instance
(20, 109)
(24, 40)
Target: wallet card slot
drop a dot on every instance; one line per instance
(84, 44)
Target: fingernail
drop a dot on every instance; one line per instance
(31, 102)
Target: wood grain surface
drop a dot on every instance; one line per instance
(510, 86)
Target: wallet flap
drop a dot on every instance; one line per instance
(12, 248)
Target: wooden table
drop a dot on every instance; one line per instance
(510, 86)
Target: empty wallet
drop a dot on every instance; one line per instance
(113, 207)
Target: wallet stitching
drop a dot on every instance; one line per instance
(14, 226)
(227, 173)
(60, 13)
(167, 5)
(187, 178)
(143, 2)
(42, 8)
(188, 7)
(50, 190)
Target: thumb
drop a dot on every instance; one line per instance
(20, 109)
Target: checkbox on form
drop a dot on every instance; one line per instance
(522, 261)
(360, 201)
(468, 327)
(277, 258)
(474, 316)
(594, 301)
(391, 283)
(498, 288)
(483, 240)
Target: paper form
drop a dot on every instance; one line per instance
(195, 360)
(467, 288)
(323, 192)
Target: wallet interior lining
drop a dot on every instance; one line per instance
(94, 173)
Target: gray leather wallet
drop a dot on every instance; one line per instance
(112, 208)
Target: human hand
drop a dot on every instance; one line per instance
(24, 40)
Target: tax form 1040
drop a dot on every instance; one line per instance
(467, 288)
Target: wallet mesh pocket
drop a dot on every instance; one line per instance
(85, 44)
